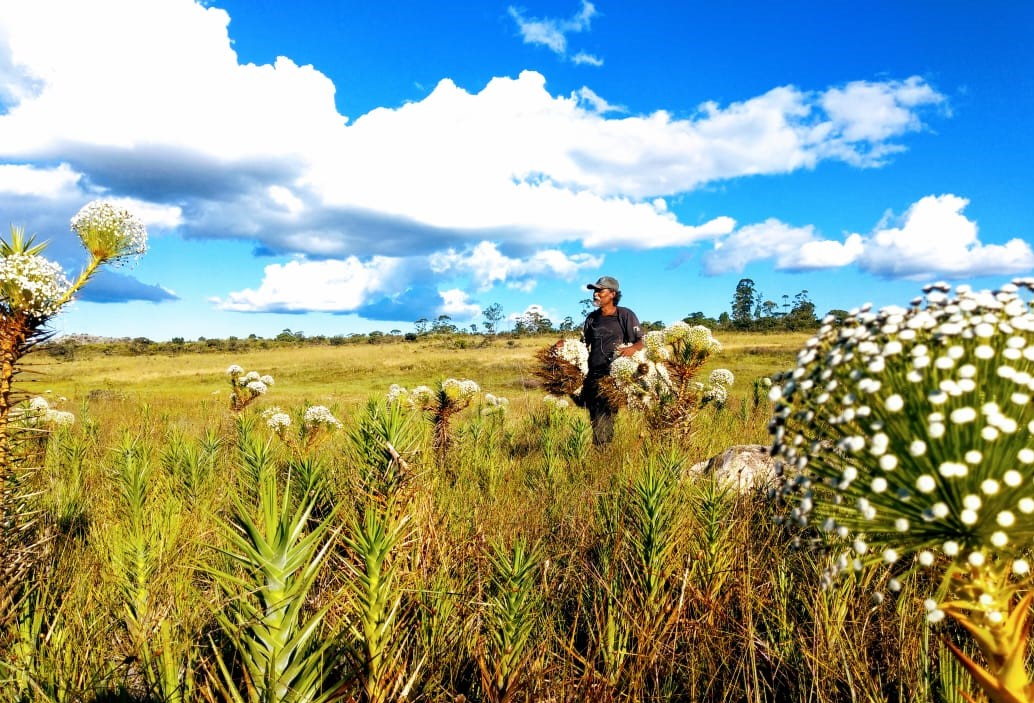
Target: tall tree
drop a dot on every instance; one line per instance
(743, 302)
(492, 314)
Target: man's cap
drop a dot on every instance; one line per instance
(605, 282)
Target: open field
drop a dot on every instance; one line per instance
(194, 553)
(344, 375)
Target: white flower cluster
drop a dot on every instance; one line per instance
(494, 404)
(39, 411)
(451, 391)
(718, 390)
(918, 424)
(247, 386)
(459, 390)
(644, 382)
(276, 420)
(320, 416)
(556, 402)
(109, 232)
(576, 353)
(695, 338)
(31, 284)
(655, 344)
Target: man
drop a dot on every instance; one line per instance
(607, 330)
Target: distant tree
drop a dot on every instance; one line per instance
(375, 336)
(567, 325)
(473, 328)
(743, 303)
(769, 308)
(802, 314)
(178, 341)
(587, 306)
(286, 335)
(699, 318)
(395, 333)
(421, 325)
(443, 325)
(532, 322)
(492, 314)
(724, 320)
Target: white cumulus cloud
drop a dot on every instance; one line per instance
(487, 266)
(326, 286)
(934, 238)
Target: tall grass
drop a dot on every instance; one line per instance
(196, 557)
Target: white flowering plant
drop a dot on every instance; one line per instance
(110, 233)
(316, 425)
(659, 380)
(907, 435)
(494, 405)
(34, 289)
(246, 387)
(440, 403)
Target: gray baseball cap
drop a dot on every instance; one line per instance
(605, 282)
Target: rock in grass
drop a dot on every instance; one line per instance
(743, 467)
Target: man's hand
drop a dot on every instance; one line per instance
(629, 349)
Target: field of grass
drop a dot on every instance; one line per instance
(193, 554)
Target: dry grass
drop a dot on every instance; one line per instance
(642, 585)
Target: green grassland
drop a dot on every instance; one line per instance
(345, 375)
(191, 554)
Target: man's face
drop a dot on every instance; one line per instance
(602, 296)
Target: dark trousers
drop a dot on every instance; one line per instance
(601, 412)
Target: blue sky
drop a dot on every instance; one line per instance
(337, 167)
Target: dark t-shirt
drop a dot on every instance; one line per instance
(603, 333)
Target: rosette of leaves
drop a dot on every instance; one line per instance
(907, 437)
(440, 403)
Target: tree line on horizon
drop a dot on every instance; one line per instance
(750, 311)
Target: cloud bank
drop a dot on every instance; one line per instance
(507, 184)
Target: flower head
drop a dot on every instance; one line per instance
(31, 284)
(576, 353)
(721, 377)
(918, 404)
(320, 416)
(109, 232)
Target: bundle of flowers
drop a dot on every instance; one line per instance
(109, 232)
(31, 284)
(659, 379)
(316, 425)
(907, 437)
(562, 369)
(245, 388)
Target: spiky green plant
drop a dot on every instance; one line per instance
(381, 449)
(277, 643)
(510, 615)
(378, 642)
